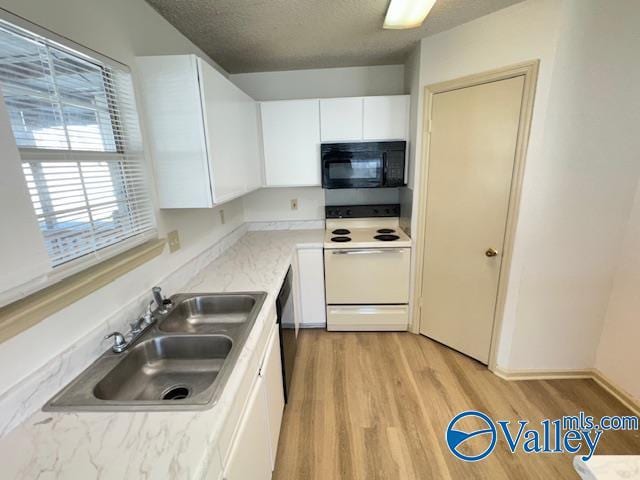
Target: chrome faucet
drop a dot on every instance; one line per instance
(144, 321)
(120, 342)
(161, 303)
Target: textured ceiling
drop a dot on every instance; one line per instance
(266, 35)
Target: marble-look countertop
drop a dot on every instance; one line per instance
(608, 467)
(167, 445)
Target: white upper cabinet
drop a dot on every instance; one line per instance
(291, 141)
(357, 119)
(385, 118)
(203, 132)
(341, 119)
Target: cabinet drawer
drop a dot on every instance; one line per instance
(367, 317)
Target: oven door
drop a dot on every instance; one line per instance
(368, 276)
(352, 169)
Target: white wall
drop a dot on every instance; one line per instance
(270, 204)
(581, 169)
(525, 31)
(618, 355)
(361, 196)
(323, 83)
(273, 204)
(579, 190)
(412, 85)
(121, 29)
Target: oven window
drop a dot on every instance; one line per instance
(355, 170)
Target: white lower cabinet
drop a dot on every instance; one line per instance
(271, 373)
(311, 287)
(249, 458)
(255, 442)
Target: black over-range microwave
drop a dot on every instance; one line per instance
(363, 165)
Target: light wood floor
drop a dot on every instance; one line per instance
(376, 406)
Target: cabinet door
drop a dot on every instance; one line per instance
(232, 133)
(291, 139)
(311, 275)
(253, 155)
(271, 372)
(173, 119)
(341, 119)
(386, 118)
(250, 455)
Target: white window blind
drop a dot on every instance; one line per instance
(75, 123)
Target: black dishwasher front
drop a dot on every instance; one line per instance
(287, 329)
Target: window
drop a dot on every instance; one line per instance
(75, 123)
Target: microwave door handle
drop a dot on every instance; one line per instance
(384, 169)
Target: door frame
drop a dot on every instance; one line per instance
(529, 70)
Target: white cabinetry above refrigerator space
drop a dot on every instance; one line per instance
(203, 132)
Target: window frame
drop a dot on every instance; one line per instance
(94, 261)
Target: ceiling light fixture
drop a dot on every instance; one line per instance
(407, 13)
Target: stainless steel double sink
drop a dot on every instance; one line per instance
(182, 362)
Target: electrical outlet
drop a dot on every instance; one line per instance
(174, 241)
(222, 217)
(294, 204)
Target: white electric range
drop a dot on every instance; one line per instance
(367, 262)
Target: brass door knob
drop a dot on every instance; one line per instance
(491, 252)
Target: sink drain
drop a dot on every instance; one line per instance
(178, 392)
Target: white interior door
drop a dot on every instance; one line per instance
(471, 157)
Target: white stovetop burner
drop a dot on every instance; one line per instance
(362, 233)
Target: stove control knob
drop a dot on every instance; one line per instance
(349, 212)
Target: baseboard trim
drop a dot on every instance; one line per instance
(625, 397)
(313, 325)
(594, 374)
(542, 374)
(356, 327)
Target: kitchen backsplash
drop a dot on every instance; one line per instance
(26, 397)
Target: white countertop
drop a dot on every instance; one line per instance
(608, 467)
(176, 445)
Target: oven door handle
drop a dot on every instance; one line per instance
(368, 251)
